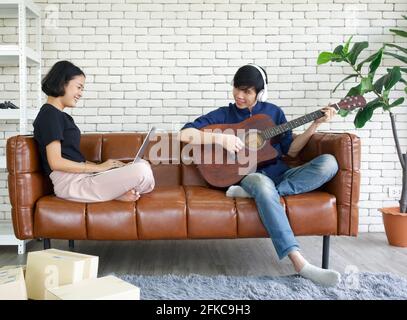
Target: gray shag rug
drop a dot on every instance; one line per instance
(355, 286)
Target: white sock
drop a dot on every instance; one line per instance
(325, 277)
(238, 192)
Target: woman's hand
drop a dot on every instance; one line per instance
(110, 164)
(329, 114)
(231, 143)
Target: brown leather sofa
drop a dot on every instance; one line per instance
(182, 206)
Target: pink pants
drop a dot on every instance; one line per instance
(84, 187)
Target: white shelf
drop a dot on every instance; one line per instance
(9, 54)
(7, 237)
(3, 162)
(9, 8)
(11, 114)
(20, 55)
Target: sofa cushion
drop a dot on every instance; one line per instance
(104, 219)
(210, 213)
(161, 214)
(120, 146)
(318, 207)
(312, 213)
(192, 177)
(166, 174)
(91, 146)
(249, 222)
(57, 218)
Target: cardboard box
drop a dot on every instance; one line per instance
(105, 288)
(12, 284)
(23, 266)
(91, 262)
(52, 268)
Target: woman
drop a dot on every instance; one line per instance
(274, 180)
(58, 139)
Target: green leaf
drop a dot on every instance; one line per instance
(395, 103)
(355, 91)
(386, 96)
(378, 85)
(343, 112)
(365, 114)
(372, 57)
(397, 47)
(405, 17)
(346, 47)
(348, 77)
(356, 50)
(405, 90)
(324, 57)
(338, 54)
(375, 63)
(401, 58)
(338, 59)
(392, 78)
(338, 49)
(399, 32)
(367, 85)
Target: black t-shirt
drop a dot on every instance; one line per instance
(52, 124)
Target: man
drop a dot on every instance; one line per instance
(276, 179)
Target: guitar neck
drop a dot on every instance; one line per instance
(277, 130)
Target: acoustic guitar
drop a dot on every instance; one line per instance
(221, 168)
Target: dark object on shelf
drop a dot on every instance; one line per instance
(10, 105)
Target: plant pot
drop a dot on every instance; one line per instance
(395, 225)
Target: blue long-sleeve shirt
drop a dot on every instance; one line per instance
(232, 114)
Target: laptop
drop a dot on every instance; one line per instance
(140, 152)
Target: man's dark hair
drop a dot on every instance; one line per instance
(247, 77)
(60, 74)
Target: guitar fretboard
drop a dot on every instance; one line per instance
(277, 130)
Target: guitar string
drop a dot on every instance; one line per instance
(275, 131)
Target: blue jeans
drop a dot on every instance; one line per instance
(266, 193)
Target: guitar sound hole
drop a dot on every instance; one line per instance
(254, 141)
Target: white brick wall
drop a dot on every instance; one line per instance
(166, 62)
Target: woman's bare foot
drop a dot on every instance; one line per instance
(131, 195)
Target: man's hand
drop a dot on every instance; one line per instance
(232, 143)
(329, 114)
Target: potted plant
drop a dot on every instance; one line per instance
(394, 218)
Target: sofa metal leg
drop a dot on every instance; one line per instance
(47, 243)
(325, 252)
(71, 245)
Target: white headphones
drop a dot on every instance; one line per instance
(262, 95)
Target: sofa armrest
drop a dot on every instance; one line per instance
(26, 183)
(346, 184)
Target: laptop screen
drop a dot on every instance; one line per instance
(143, 148)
